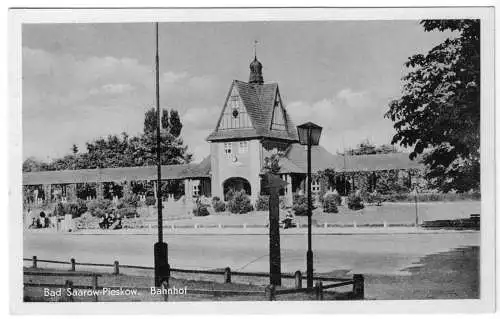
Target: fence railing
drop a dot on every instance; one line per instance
(357, 281)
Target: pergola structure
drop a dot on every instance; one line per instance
(195, 177)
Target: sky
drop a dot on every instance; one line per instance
(84, 81)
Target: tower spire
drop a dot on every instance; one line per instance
(255, 68)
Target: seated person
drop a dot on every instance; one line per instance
(288, 221)
(104, 223)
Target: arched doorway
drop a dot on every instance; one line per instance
(236, 184)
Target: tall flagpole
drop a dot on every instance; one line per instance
(162, 268)
(158, 142)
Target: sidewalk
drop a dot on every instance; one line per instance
(225, 230)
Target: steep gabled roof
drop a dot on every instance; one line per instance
(258, 100)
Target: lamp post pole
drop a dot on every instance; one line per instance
(309, 134)
(162, 268)
(309, 255)
(416, 207)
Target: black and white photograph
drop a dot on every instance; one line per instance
(252, 157)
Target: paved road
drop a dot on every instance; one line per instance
(361, 253)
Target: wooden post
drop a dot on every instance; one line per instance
(318, 289)
(34, 262)
(69, 287)
(73, 264)
(117, 268)
(358, 287)
(164, 285)
(95, 287)
(227, 275)
(270, 292)
(274, 184)
(298, 279)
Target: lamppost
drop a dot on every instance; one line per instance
(309, 134)
(415, 193)
(160, 248)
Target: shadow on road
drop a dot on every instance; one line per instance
(449, 275)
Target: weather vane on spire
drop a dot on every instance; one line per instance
(255, 42)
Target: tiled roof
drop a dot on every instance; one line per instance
(119, 174)
(295, 161)
(322, 159)
(381, 162)
(258, 100)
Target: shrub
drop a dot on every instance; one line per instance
(330, 203)
(200, 209)
(239, 203)
(59, 209)
(374, 198)
(99, 207)
(75, 209)
(86, 221)
(299, 205)
(334, 195)
(389, 185)
(150, 201)
(128, 212)
(230, 194)
(432, 197)
(218, 205)
(131, 200)
(355, 202)
(215, 199)
(262, 202)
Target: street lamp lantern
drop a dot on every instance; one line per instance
(309, 134)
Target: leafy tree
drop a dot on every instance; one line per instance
(175, 123)
(272, 163)
(150, 121)
(438, 114)
(31, 164)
